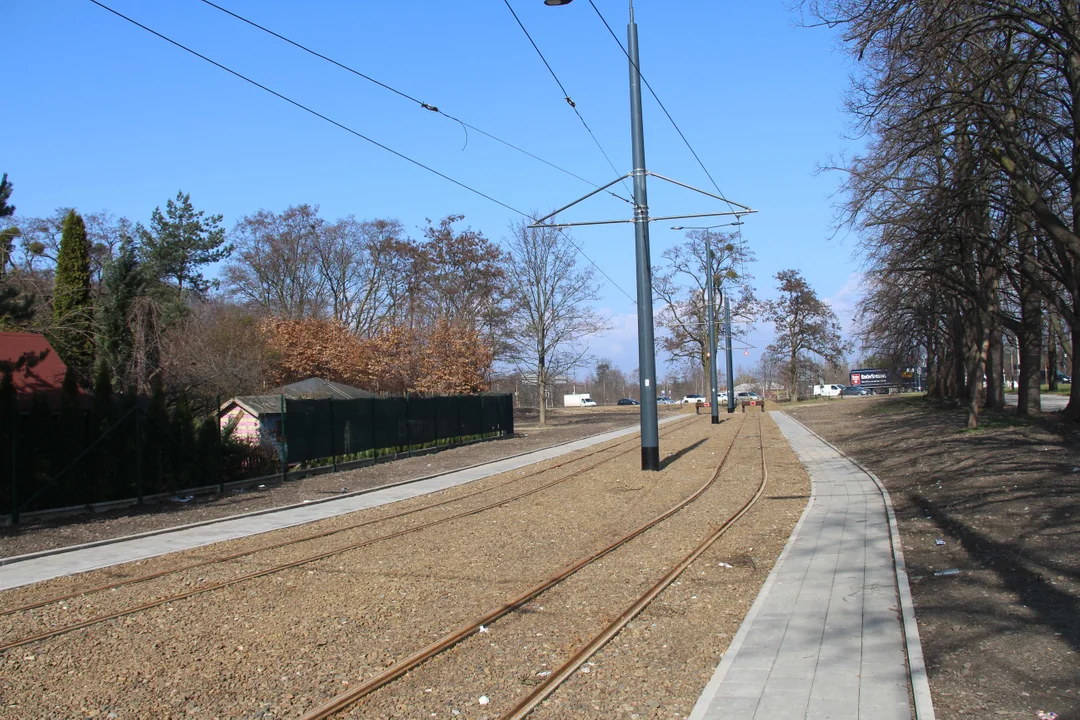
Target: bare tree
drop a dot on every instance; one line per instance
(366, 269)
(550, 295)
(681, 286)
(804, 324)
(276, 262)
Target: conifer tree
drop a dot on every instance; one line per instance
(180, 242)
(13, 309)
(124, 282)
(73, 319)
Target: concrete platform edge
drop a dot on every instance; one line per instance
(255, 513)
(920, 684)
(713, 686)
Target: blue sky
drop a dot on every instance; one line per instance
(102, 115)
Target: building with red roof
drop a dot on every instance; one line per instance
(40, 370)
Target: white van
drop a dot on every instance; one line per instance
(827, 390)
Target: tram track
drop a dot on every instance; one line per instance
(175, 597)
(343, 701)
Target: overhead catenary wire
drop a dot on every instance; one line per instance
(347, 129)
(566, 95)
(660, 103)
(427, 106)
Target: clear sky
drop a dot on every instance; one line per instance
(101, 115)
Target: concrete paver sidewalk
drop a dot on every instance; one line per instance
(824, 639)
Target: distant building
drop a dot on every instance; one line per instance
(257, 418)
(42, 372)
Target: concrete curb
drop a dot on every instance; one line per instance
(920, 683)
(713, 686)
(281, 508)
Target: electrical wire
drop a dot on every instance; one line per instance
(421, 103)
(347, 129)
(566, 95)
(661, 104)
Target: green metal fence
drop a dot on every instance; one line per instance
(325, 429)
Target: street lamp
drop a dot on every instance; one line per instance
(650, 436)
(713, 400)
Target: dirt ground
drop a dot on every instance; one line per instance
(990, 525)
(274, 646)
(562, 426)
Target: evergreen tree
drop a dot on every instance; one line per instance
(13, 310)
(124, 282)
(6, 187)
(73, 317)
(71, 485)
(102, 462)
(180, 242)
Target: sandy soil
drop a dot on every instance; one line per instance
(563, 426)
(275, 646)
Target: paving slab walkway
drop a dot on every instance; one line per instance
(122, 550)
(826, 637)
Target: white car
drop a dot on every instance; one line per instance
(588, 403)
(693, 399)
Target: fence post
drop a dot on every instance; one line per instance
(284, 447)
(220, 457)
(333, 437)
(374, 450)
(460, 435)
(408, 430)
(14, 462)
(435, 419)
(138, 457)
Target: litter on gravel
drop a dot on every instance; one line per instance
(950, 571)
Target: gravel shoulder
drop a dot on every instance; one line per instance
(275, 646)
(1000, 627)
(563, 426)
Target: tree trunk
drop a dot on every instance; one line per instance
(1028, 401)
(794, 376)
(976, 351)
(960, 357)
(541, 387)
(1051, 356)
(995, 370)
(1072, 410)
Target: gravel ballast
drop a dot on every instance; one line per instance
(277, 645)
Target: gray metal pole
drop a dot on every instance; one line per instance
(710, 278)
(650, 438)
(727, 347)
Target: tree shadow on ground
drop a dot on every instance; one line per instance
(1057, 610)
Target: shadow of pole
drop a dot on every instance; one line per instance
(675, 456)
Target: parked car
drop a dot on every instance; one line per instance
(693, 399)
(662, 400)
(628, 401)
(748, 395)
(853, 391)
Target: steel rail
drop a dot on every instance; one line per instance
(285, 543)
(347, 698)
(557, 677)
(320, 556)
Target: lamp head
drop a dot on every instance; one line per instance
(676, 227)
(556, 3)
